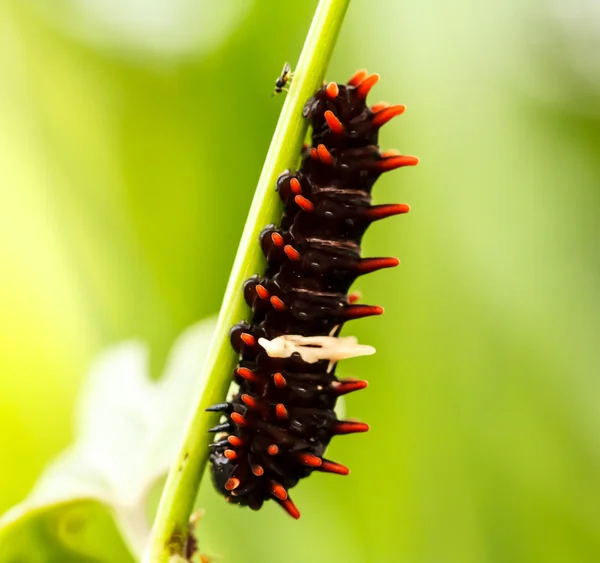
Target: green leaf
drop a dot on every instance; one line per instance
(77, 531)
(124, 444)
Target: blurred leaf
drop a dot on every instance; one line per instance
(127, 436)
(70, 532)
(159, 28)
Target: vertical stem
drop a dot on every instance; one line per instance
(169, 534)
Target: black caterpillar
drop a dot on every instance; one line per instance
(279, 424)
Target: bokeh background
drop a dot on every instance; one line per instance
(131, 137)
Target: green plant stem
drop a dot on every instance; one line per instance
(170, 528)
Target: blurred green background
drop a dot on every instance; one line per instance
(132, 135)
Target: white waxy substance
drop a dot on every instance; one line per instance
(315, 348)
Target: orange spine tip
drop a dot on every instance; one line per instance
(250, 401)
(232, 484)
(281, 411)
(278, 491)
(292, 253)
(235, 441)
(258, 470)
(295, 186)
(304, 204)
(347, 427)
(277, 303)
(375, 108)
(368, 265)
(385, 115)
(248, 339)
(230, 454)
(394, 162)
(334, 123)
(262, 292)
(332, 90)
(247, 374)
(314, 154)
(277, 239)
(290, 508)
(347, 386)
(272, 449)
(358, 77)
(365, 86)
(383, 211)
(309, 460)
(239, 419)
(331, 467)
(325, 156)
(361, 311)
(279, 380)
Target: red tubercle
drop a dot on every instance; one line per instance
(230, 454)
(277, 239)
(365, 86)
(262, 291)
(273, 449)
(239, 419)
(385, 115)
(295, 186)
(258, 470)
(279, 380)
(358, 77)
(361, 311)
(281, 412)
(309, 460)
(292, 253)
(247, 374)
(332, 90)
(375, 108)
(348, 386)
(290, 508)
(332, 467)
(277, 303)
(232, 483)
(278, 491)
(248, 339)
(324, 155)
(387, 210)
(350, 427)
(314, 154)
(235, 441)
(304, 204)
(250, 401)
(393, 162)
(334, 123)
(368, 265)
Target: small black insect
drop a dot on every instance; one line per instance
(282, 80)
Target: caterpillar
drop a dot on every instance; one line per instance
(278, 425)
